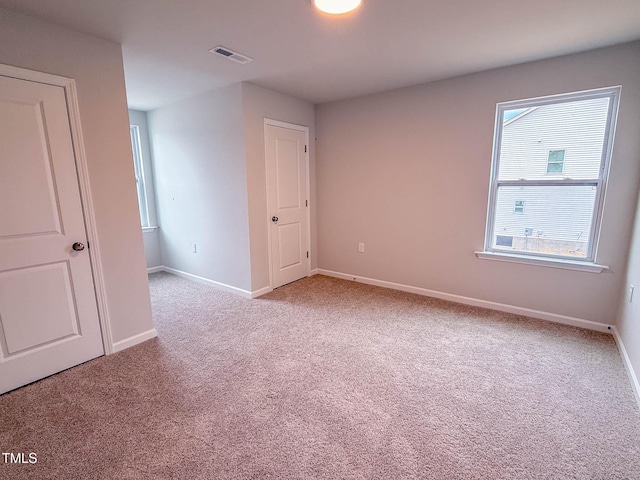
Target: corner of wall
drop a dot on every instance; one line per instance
(205, 204)
(259, 103)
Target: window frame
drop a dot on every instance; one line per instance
(138, 165)
(613, 93)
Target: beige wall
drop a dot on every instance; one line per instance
(407, 172)
(201, 186)
(259, 103)
(96, 65)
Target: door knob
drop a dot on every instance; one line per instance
(274, 219)
(78, 247)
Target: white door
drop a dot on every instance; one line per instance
(288, 203)
(48, 313)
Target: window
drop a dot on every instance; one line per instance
(563, 189)
(504, 240)
(519, 206)
(555, 164)
(138, 166)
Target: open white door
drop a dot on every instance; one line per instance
(287, 166)
(48, 313)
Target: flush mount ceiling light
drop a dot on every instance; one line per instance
(336, 7)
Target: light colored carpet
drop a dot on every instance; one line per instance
(331, 379)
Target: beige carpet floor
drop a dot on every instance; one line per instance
(331, 379)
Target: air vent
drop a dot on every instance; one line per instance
(230, 54)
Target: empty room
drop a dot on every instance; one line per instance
(324, 239)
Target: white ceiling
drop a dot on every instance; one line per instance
(385, 44)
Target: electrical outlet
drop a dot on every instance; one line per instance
(361, 247)
(631, 289)
(194, 249)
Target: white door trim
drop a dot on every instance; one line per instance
(69, 86)
(299, 128)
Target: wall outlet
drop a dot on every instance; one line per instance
(361, 247)
(631, 289)
(194, 249)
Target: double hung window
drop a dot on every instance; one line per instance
(139, 171)
(550, 163)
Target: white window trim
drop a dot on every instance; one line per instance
(589, 262)
(141, 188)
(563, 263)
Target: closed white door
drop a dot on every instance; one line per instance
(288, 203)
(48, 313)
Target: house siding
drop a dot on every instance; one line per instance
(578, 128)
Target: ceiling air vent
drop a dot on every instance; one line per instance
(230, 54)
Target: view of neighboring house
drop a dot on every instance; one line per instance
(558, 141)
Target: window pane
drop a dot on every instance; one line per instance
(554, 167)
(556, 156)
(504, 241)
(569, 135)
(557, 220)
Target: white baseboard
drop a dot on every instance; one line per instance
(551, 317)
(314, 272)
(223, 286)
(261, 291)
(136, 339)
(633, 378)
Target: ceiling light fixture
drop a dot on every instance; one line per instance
(337, 7)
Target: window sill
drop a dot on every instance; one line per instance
(543, 262)
(149, 229)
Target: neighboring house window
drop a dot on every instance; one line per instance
(555, 163)
(564, 211)
(518, 206)
(137, 163)
(504, 240)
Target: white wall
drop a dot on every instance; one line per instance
(407, 173)
(96, 65)
(152, 252)
(628, 323)
(259, 103)
(208, 155)
(201, 186)
(151, 237)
